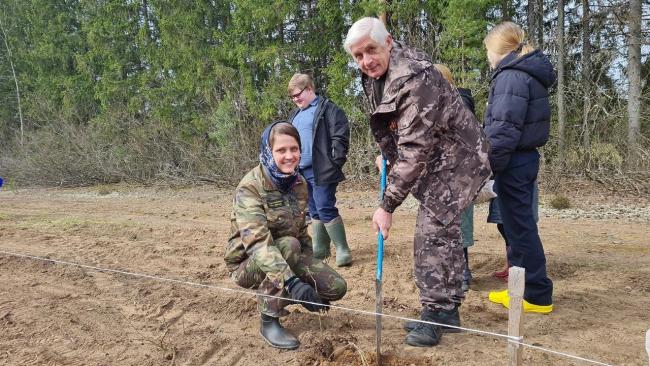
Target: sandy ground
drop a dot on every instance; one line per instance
(56, 314)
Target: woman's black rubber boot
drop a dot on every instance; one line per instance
(275, 334)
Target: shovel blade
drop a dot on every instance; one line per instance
(378, 310)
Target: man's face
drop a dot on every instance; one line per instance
(371, 56)
(302, 97)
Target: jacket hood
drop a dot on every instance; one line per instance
(535, 64)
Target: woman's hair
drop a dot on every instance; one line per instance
(300, 81)
(444, 70)
(284, 128)
(505, 38)
(364, 27)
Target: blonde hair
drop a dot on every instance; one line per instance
(505, 38)
(300, 81)
(366, 27)
(446, 73)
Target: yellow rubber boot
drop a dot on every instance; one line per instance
(502, 297)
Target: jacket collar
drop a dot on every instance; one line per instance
(404, 63)
(315, 101)
(267, 183)
(319, 101)
(504, 63)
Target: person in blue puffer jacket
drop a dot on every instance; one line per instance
(517, 122)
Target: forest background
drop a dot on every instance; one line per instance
(177, 92)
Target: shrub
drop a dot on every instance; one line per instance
(560, 202)
(603, 157)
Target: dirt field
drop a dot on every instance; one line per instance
(55, 314)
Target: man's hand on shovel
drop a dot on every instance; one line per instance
(382, 220)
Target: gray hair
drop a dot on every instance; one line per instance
(364, 27)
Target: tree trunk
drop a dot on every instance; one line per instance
(561, 111)
(13, 72)
(539, 23)
(586, 73)
(531, 18)
(145, 16)
(385, 14)
(535, 22)
(634, 73)
(506, 10)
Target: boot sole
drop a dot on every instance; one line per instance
(348, 264)
(444, 330)
(422, 344)
(322, 257)
(498, 297)
(276, 346)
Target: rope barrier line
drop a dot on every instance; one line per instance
(513, 339)
(560, 353)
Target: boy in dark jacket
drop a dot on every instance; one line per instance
(325, 137)
(517, 122)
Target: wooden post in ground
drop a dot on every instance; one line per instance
(516, 284)
(647, 344)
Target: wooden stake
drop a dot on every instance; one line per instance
(516, 284)
(647, 344)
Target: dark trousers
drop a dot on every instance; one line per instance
(515, 186)
(322, 198)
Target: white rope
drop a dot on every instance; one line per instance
(560, 353)
(512, 339)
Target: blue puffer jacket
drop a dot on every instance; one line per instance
(518, 116)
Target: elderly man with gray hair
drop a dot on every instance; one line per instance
(437, 151)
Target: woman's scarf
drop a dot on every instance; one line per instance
(283, 182)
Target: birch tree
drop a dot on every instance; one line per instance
(13, 72)
(586, 73)
(561, 110)
(634, 72)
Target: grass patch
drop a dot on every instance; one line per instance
(560, 202)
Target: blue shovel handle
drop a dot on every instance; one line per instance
(380, 237)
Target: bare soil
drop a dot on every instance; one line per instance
(59, 314)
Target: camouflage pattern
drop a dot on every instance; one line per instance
(269, 243)
(438, 261)
(436, 147)
(467, 226)
(438, 153)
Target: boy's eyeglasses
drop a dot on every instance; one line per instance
(294, 96)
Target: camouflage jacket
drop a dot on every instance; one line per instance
(436, 147)
(262, 213)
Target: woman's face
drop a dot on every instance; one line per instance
(286, 153)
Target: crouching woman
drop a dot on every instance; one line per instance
(269, 248)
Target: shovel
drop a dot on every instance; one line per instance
(380, 261)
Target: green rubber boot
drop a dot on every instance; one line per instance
(320, 240)
(336, 231)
